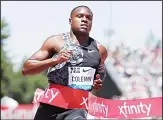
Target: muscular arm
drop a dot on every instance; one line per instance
(103, 55)
(100, 71)
(39, 61)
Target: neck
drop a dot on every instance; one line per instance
(79, 38)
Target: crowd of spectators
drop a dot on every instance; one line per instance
(140, 71)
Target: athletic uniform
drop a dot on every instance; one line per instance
(79, 73)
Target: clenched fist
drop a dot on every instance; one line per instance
(64, 56)
(97, 84)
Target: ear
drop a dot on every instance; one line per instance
(70, 21)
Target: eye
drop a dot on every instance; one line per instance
(79, 16)
(89, 17)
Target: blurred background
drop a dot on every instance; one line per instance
(130, 30)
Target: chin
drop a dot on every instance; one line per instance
(83, 31)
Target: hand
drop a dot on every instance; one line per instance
(97, 84)
(64, 56)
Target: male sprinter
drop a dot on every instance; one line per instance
(66, 54)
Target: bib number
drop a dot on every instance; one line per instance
(81, 77)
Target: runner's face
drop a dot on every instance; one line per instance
(81, 20)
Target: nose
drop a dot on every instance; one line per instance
(84, 19)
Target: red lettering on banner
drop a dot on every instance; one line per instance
(70, 98)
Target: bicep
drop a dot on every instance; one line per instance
(40, 55)
(45, 51)
(103, 55)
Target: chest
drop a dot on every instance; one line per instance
(83, 56)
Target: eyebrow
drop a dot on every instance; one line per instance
(84, 14)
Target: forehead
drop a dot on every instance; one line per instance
(82, 10)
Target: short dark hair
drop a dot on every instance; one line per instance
(79, 7)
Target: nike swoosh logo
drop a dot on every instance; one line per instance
(90, 51)
(86, 70)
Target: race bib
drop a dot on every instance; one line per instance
(81, 77)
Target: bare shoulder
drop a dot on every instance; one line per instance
(102, 50)
(55, 42)
(54, 38)
(48, 48)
